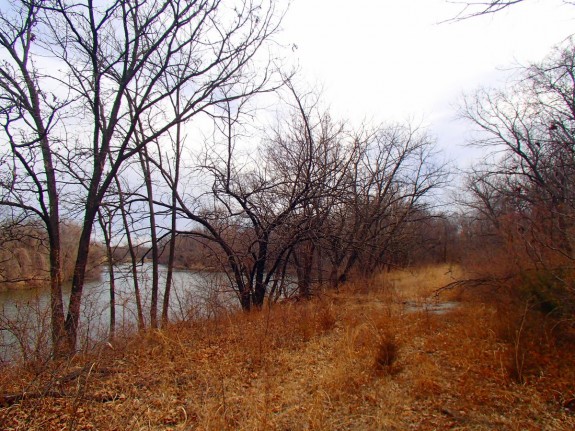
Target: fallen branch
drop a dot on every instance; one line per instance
(7, 400)
(472, 282)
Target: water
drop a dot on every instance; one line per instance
(25, 314)
(430, 307)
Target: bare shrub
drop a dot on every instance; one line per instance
(25, 332)
(386, 353)
(325, 317)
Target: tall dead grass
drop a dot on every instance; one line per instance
(353, 359)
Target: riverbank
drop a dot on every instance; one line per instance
(354, 359)
(94, 274)
(24, 285)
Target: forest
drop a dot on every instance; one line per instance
(170, 136)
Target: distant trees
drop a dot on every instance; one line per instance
(393, 172)
(25, 254)
(76, 81)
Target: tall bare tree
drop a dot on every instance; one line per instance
(314, 150)
(127, 225)
(29, 113)
(177, 140)
(106, 214)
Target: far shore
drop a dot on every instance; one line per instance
(6, 286)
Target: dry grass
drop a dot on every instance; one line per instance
(357, 359)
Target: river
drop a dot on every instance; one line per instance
(25, 318)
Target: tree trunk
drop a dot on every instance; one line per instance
(56, 301)
(304, 265)
(133, 257)
(106, 226)
(173, 226)
(260, 286)
(153, 238)
(73, 317)
(112, 332)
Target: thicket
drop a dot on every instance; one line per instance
(522, 202)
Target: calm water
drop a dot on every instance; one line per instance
(25, 318)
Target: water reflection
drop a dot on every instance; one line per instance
(25, 318)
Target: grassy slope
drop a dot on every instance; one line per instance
(355, 359)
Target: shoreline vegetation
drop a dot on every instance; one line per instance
(24, 257)
(25, 260)
(361, 357)
(94, 274)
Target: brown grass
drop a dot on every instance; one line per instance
(357, 359)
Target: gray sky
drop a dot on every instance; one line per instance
(391, 60)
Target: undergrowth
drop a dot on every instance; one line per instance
(353, 359)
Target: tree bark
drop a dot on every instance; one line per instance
(144, 161)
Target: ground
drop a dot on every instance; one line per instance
(375, 355)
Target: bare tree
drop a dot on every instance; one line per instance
(524, 187)
(127, 224)
(529, 129)
(177, 140)
(257, 209)
(106, 221)
(29, 113)
(313, 150)
(104, 58)
(152, 229)
(393, 173)
(477, 8)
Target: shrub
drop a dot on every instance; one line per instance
(550, 290)
(386, 353)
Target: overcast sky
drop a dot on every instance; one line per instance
(392, 60)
